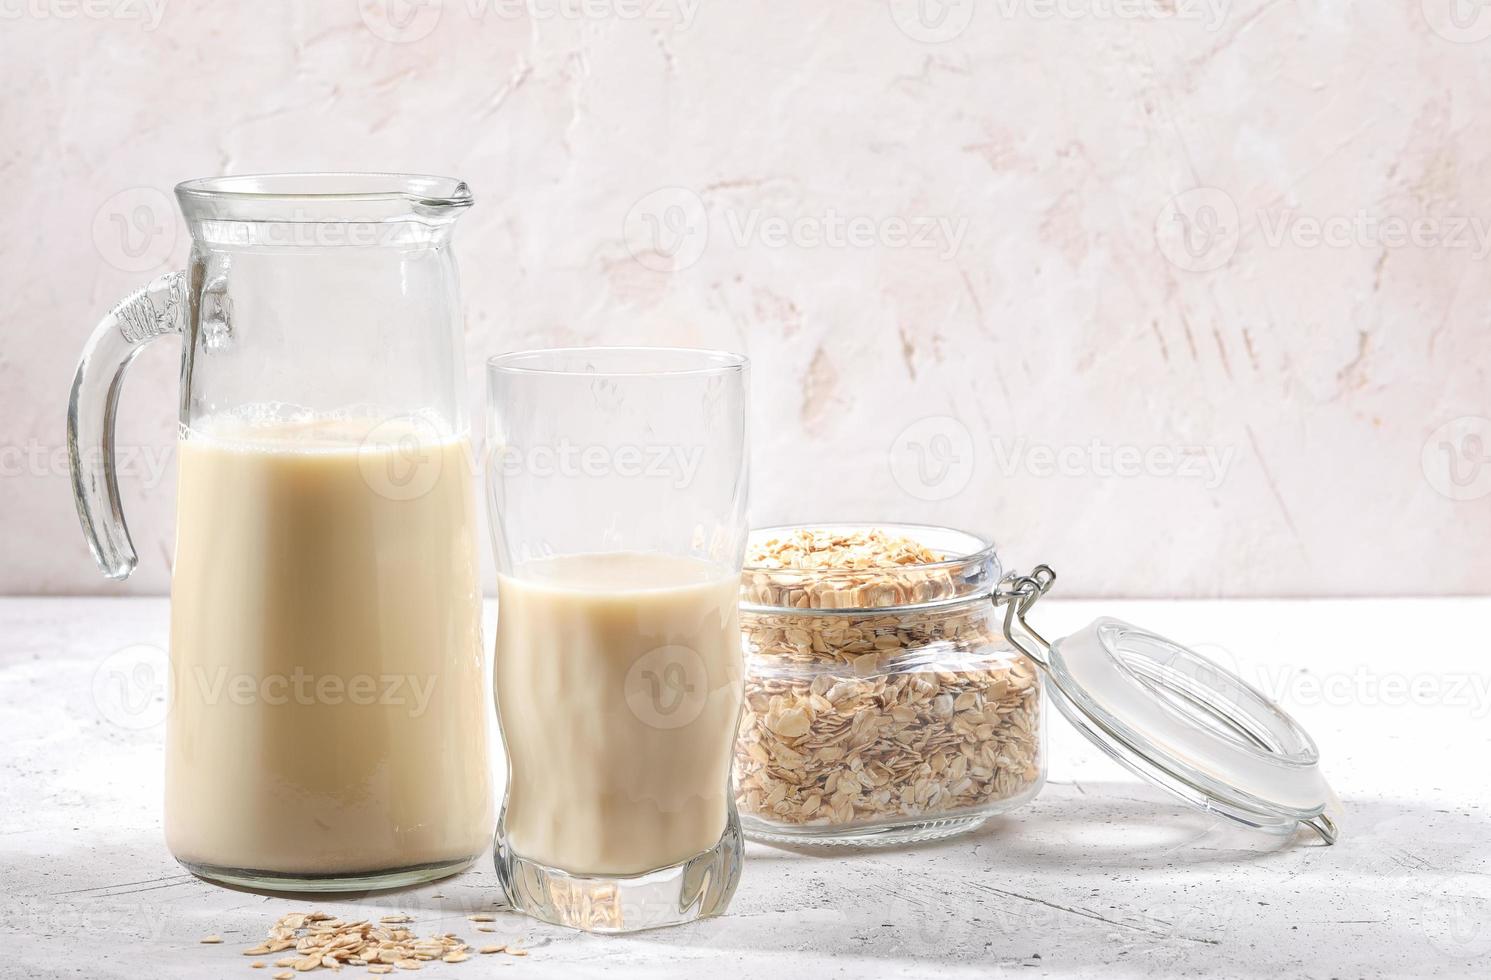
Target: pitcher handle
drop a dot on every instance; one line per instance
(155, 310)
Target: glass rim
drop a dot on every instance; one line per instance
(972, 570)
(710, 361)
(426, 189)
(985, 547)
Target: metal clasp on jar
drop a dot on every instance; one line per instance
(1018, 593)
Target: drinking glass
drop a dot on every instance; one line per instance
(617, 488)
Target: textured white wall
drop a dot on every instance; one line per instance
(1177, 295)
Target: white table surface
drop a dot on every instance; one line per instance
(1100, 875)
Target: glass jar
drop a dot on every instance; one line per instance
(883, 704)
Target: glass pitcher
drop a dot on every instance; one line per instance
(327, 728)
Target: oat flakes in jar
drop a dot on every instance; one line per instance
(883, 702)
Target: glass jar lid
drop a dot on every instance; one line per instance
(1177, 719)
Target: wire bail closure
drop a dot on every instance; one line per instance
(1018, 593)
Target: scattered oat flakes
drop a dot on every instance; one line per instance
(210, 940)
(318, 940)
(482, 917)
(491, 949)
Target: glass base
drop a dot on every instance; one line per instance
(361, 881)
(891, 831)
(694, 889)
(887, 835)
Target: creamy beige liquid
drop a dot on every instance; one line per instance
(619, 684)
(328, 712)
